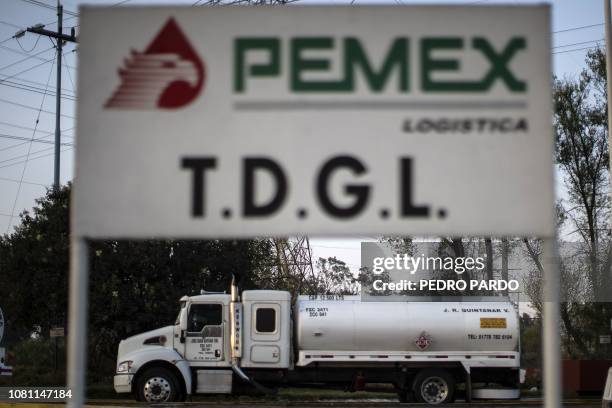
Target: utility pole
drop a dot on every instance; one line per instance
(58, 99)
(60, 38)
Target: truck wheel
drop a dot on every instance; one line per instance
(158, 384)
(434, 387)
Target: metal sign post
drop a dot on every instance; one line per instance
(551, 344)
(77, 319)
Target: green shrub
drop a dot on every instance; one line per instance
(33, 363)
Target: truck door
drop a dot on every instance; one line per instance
(265, 333)
(205, 331)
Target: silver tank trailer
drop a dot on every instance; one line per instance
(353, 325)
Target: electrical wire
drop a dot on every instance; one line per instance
(27, 70)
(26, 156)
(577, 28)
(22, 127)
(578, 43)
(30, 50)
(25, 165)
(49, 6)
(69, 75)
(11, 25)
(36, 158)
(34, 89)
(576, 49)
(40, 138)
(17, 181)
(25, 59)
(27, 139)
(36, 84)
(8, 39)
(76, 15)
(4, 47)
(33, 108)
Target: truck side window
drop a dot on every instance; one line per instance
(265, 320)
(206, 314)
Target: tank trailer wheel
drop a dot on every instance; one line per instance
(156, 385)
(434, 387)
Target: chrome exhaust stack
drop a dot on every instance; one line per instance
(236, 337)
(235, 322)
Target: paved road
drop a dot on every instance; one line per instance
(382, 403)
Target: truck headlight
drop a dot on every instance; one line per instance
(124, 366)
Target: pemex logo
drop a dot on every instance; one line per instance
(167, 75)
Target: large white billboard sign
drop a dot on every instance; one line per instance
(246, 121)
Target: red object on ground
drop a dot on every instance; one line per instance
(585, 375)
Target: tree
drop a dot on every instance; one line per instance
(581, 153)
(33, 268)
(134, 285)
(334, 277)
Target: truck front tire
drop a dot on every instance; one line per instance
(158, 384)
(434, 386)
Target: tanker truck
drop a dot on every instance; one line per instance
(221, 343)
(5, 370)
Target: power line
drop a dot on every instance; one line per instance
(24, 182)
(11, 24)
(27, 70)
(21, 127)
(578, 43)
(25, 59)
(40, 138)
(23, 49)
(55, 21)
(576, 49)
(4, 47)
(30, 88)
(33, 108)
(26, 156)
(76, 15)
(28, 139)
(577, 28)
(7, 40)
(25, 82)
(69, 76)
(25, 165)
(36, 158)
(48, 6)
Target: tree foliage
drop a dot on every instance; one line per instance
(134, 285)
(581, 153)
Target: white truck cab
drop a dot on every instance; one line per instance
(200, 352)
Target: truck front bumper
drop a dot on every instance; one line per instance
(123, 383)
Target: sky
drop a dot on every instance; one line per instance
(27, 68)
